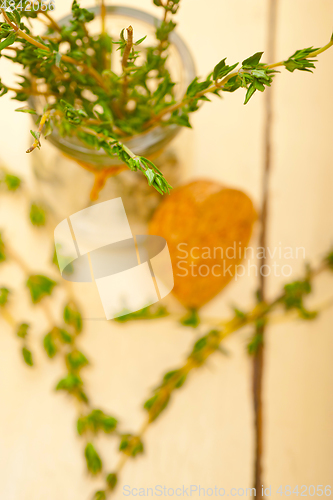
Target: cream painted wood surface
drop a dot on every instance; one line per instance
(205, 436)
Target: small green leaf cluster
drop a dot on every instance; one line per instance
(167, 25)
(73, 317)
(96, 421)
(222, 69)
(111, 481)
(60, 340)
(131, 445)
(27, 356)
(73, 384)
(157, 404)
(205, 346)
(10, 181)
(9, 37)
(2, 250)
(329, 260)
(257, 340)
(37, 215)
(149, 312)
(3, 88)
(253, 76)
(257, 80)
(80, 14)
(163, 31)
(94, 462)
(4, 295)
(76, 360)
(153, 175)
(159, 401)
(240, 315)
(168, 5)
(54, 339)
(191, 319)
(22, 330)
(301, 60)
(40, 286)
(175, 379)
(73, 115)
(293, 298)
(100, 495)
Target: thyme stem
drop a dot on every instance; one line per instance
(7, 316)
(124, 62)
(44, 119)
(128, 47)
(219, 86)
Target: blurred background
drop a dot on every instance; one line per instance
(206, 435)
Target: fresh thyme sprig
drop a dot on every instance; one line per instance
(84, 97)
(291, 298)
(253, 75)
(60, 341)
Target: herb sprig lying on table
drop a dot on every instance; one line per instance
(61, 340)
(86, 98)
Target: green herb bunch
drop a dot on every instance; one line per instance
(71, 69)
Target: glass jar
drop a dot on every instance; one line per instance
(65, 168)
